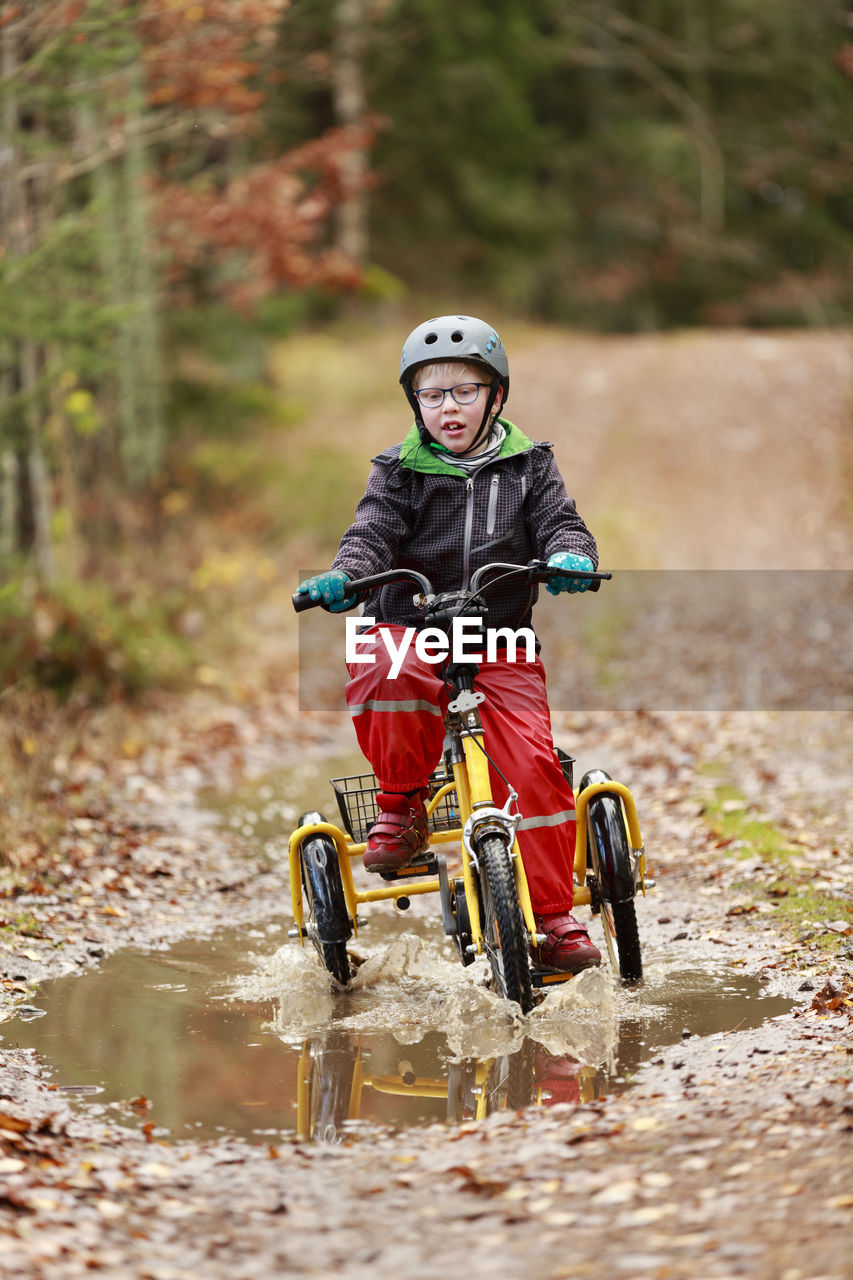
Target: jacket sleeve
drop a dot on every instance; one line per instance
(383, 518)
(553, 518)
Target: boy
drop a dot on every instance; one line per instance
(465, 487)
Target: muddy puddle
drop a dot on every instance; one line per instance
(244, 1033)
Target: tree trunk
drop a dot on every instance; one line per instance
(142, 453)
(348, 88)
(712, 194)
(20, 225)
(36, 467)
(8, 504)
(113, 252)
(8, 185)
(66, 452)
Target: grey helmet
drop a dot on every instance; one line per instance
(455, 338)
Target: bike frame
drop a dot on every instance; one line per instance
(472, 785)
(473, 789)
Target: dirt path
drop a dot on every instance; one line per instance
(731, 1157)
(721, 450)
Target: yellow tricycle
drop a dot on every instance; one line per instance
(487, 908)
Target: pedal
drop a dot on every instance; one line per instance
(547, 977)
(419, 868)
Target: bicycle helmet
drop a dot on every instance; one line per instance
(455, 338)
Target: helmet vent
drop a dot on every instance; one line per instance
(456, 336)
(431, 338)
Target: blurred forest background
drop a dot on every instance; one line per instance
(187, 184)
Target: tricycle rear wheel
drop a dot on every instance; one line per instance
(327, 919)
(613, 872)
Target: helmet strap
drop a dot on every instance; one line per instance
(416, 406)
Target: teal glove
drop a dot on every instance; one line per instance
(565, 560)
(329, 587)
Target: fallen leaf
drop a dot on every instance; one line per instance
(651, 1213)
(177, 1209)
(13, 1123)
(474, 1182)
(616, 1193)
(109, 1209)
(560, 1219)
(45, 1204)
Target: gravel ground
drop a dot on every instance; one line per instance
(730, 1156)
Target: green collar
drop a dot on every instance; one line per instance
(434, 460)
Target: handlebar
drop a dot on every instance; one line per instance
(535, 571)
(538, 571)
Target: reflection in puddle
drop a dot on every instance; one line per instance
(243, 1034)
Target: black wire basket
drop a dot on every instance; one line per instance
(356, 797)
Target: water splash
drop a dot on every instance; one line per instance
(410, 987)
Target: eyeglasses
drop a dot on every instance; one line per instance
(464, 393)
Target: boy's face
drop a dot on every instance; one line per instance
(450, 424)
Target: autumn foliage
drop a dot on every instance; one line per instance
(271, 215)
(138, 170)
(203, 55)
(205, 63)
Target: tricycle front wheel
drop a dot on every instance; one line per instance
(504, 935)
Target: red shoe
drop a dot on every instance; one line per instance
(557, 1077)
(399, 834)
(567, 946)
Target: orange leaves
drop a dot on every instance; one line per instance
(14, 1124)
(844, 60)
(202, 54)
(833, 996)
(271, 214)
(263, 222)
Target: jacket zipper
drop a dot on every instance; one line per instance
(492, 511)
(469, 526)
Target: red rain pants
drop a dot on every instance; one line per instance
(400, 729)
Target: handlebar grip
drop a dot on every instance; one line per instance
(302, 601)
(362, 586)
(595, 577)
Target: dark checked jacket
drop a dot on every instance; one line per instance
(421, 512)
